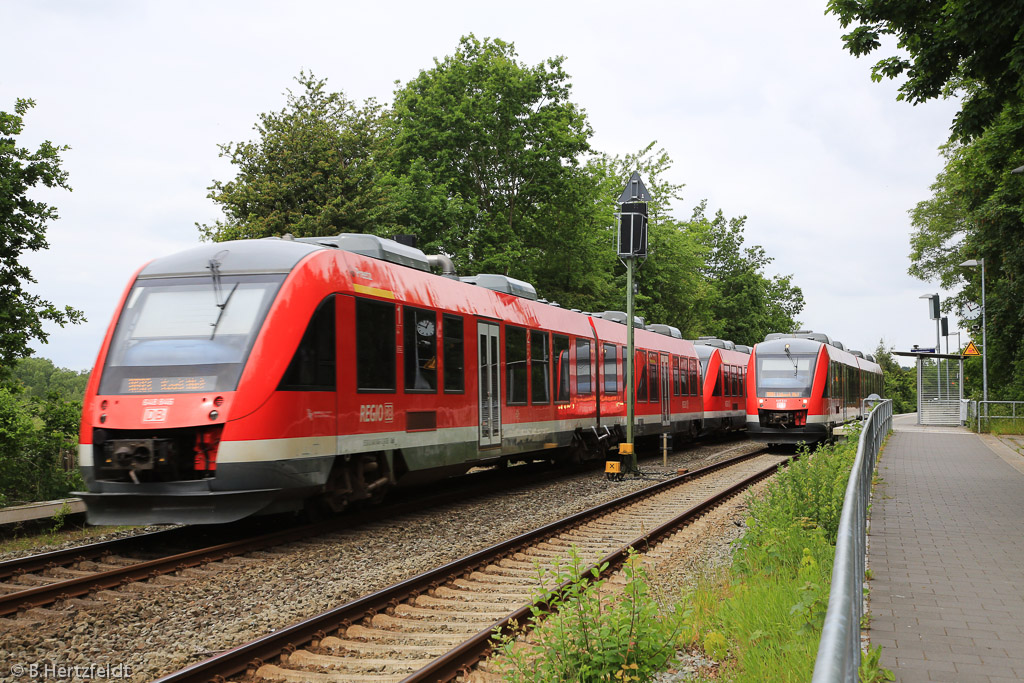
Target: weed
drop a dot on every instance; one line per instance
(871, 671)
(584, 632)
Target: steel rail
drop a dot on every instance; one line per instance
(254, 654)
(33, 563)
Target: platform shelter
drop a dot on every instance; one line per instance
(940, 387)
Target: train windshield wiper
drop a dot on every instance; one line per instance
(796, 366)
(215, 275)
(221, 314)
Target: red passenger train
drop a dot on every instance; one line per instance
(259, 376)
(805, 386)
(724, 367)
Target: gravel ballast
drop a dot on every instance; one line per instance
(159, 626)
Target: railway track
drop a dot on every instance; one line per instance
(40, 580)
(436, 626)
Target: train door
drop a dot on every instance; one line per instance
(666, 392)
(489, 378)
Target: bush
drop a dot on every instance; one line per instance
(37, 436)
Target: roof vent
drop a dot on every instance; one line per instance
(743, 348)
(374, 247)
(503, 284)
(869, 357)
(859, 354)
(620, 317)
(839, 345)
(713, 341)
(667, 330)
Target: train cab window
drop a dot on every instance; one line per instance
(583, 373)
(375, 345)
(515, 365)
(675, 375)
(641, 380)
(717, 391)
(313, 365)
(454, 354)
(540, 367)
(611, 370)
(420, 339)
(560, 356)
(655, 384)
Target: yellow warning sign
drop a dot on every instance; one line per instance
(972, 350)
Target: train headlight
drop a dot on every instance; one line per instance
(760, 401)
(214, 414)
(805, 401)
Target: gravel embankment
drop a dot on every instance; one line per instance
(162, 625)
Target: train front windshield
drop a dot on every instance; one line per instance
(186, 335)
(785, 376)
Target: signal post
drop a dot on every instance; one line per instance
(632, 248)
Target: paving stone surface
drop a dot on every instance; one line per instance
(946, 548)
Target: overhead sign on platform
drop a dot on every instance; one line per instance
(972, 350)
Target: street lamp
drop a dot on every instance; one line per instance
(973, 263)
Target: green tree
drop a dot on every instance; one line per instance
(744, 304)
(309, 172)
(968, 47)
(977, 211)
(900, 382)
(23, 228)
(502, 142)
(40, 377)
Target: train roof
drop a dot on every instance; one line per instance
(283, 254)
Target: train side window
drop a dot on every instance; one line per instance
(313, 365)
(641, 366)
(515, 365)
(735, 371)
(375, 345)
(540, 366)
(420, 339)
(684, 376)
(675, 375)
(454, 354)
(624, 358)
(560, 356)
(694, 378)
(611, 370)
(654, 382)
(583, 385)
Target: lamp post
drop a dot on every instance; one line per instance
(973, 263)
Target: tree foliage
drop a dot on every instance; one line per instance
(501, 138)
(309, 172)
(970, 47)
(23, 223)
(900, 383)
(977, 212)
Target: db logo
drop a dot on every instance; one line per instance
(780, 404)
(154, 415)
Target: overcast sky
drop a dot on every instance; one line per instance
(763, 112)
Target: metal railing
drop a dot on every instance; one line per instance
(979, 412)
(839, 650)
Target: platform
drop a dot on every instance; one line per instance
(946, 549)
